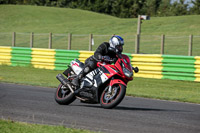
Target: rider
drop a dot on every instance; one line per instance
(104, 51)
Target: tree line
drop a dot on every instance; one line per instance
(122, 8)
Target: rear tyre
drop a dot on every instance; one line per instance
(112, 99)
(63, 95)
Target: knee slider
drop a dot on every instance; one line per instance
(87, 69)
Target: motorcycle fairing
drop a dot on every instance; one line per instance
(94, 78)
(99, 76)
(117, 81)
(77, 66)
(127, 62)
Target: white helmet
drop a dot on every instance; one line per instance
(117, 42)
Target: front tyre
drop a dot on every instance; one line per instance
(112, 99)
(63, 95)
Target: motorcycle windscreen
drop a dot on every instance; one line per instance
(127, 62)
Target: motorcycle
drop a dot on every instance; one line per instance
(105, 85)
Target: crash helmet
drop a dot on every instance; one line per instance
(117, 43)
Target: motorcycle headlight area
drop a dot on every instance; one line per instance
(127, 73)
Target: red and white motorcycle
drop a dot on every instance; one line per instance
(105, 85)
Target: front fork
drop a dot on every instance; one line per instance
(115, 81)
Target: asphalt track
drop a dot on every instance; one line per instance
(134, 115)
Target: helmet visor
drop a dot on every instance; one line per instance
(119, 48)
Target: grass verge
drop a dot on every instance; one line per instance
(8, 126)
(24, 19)
(184, 91)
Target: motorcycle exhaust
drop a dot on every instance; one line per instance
(64, 81)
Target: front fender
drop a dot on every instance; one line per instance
(117, 81)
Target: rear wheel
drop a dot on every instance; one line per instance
(112, 99)
(63, 95)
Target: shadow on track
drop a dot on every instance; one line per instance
(132, 108)
(141, 109)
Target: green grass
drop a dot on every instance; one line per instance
(8, 126)
(183, 91)
(38, 19)
(173, 90)
(24, 18)
(29, 75)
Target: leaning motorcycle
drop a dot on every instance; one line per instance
(105, 85)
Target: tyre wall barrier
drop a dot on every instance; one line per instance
(150, 65)
(39, 58)
(167, 66)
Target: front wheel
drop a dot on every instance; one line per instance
(63, 95)
(114, 97)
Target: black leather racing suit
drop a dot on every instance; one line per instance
(91, 62)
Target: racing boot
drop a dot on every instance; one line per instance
(76, 81)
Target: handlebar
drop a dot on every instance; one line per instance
(108, 60)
